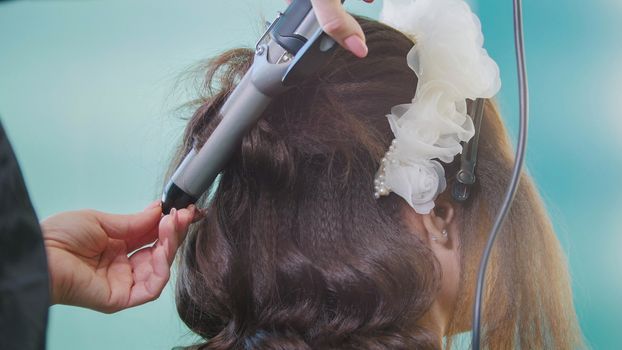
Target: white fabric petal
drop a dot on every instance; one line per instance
(417, 183)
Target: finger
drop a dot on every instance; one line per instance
(199, 215)
(173, 229)
(154, 204)
(340, 25)
(151, 266)
(136, 230)
(167, 231)
(185, 218)
(151, 272)
(149, 237)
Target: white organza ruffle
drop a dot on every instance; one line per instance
(451, 67)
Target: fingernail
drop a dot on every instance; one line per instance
(356, 45)
(199, 215)
(193, 212)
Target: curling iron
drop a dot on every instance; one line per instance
(293, 47)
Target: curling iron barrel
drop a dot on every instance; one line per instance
(293, 47)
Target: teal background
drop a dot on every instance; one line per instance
(89, 91)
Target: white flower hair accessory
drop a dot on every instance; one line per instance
(451, 66)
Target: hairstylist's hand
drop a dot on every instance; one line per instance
(88, 256)
(342, 27)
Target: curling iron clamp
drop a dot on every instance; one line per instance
(292, 48)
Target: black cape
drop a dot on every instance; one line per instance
(24, 282)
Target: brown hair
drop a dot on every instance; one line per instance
(296, 253)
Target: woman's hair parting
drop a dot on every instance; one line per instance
(296, 253)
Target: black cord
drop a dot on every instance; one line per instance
(523, 94)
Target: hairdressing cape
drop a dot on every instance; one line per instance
(24, 286)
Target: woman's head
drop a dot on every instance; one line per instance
(297, 253)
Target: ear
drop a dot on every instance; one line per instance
(438, 223)
(441, 230)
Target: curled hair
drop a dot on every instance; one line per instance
(296, 253)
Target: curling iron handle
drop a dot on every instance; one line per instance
(200, 168)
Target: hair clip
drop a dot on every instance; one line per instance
(465, 177)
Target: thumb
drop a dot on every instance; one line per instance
(340, 25)
(135, 229)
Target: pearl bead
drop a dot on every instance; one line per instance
(394, 142)
(383, 192)
(377, 195)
